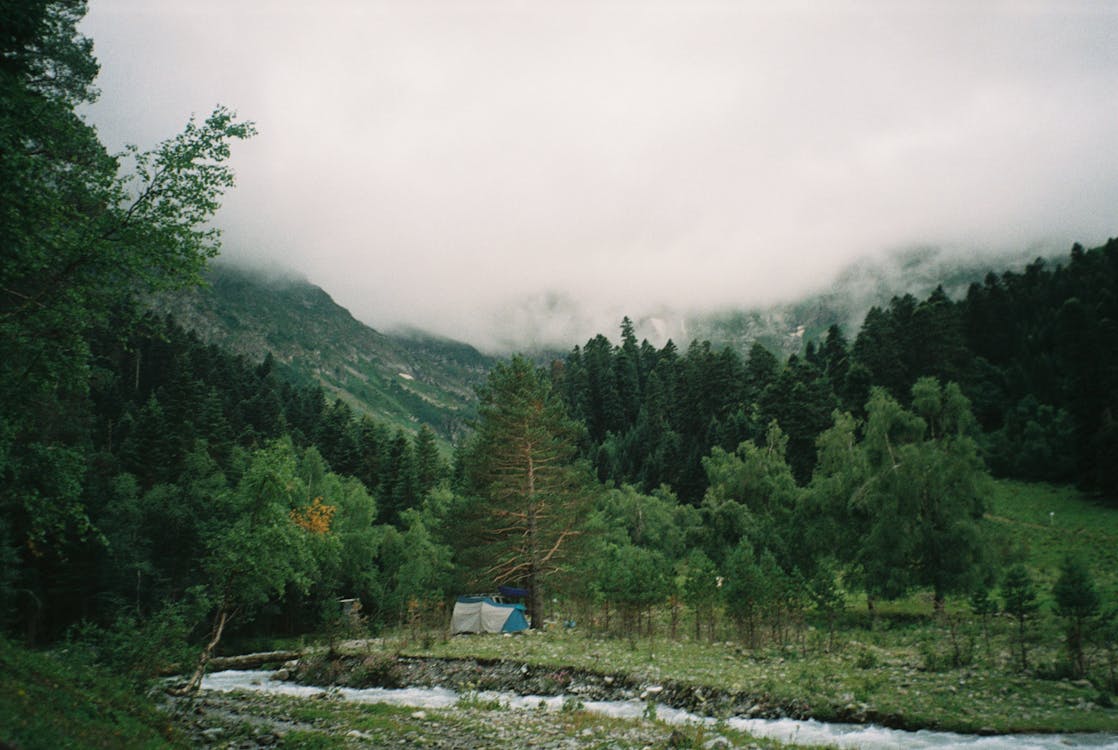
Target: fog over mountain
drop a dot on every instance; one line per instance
(514, 174)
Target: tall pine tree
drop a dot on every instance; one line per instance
(530, 496)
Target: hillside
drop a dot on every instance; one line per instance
(402, 380)
(785, 328)
(411, 378)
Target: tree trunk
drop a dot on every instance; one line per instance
(199, 671)
(535, 596)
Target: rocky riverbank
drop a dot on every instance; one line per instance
(243, 720)
(501, 675)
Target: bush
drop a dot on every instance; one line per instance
(866, 659)
(137, 650)
(381, 670)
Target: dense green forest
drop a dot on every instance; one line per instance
(156, 491)
(1036, 354)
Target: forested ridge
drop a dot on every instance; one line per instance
(1035, 352)
(159, 494)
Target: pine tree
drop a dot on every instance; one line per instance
(531, 496)
(429, 467)
(1077, 601)
(1019, 601)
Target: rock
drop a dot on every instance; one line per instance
(420, 715)
(281, 674)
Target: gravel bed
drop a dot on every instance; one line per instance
(249, 721)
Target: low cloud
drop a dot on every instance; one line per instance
(470, 168)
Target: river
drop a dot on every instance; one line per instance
(786, 730)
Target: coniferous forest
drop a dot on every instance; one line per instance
(160, 496)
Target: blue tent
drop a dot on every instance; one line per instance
(481, 614)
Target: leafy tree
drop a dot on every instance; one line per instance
(82, 239)
(744, 590)
(827, 596)
(253, 548)
(636, 579)
(700, 589)
(834, 523)
(416, 567)
(1078, 602)
(924, 497)
(656, 521)
(531, 497)
(751, 494)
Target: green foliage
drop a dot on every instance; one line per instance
(85, 237)
(1019, 600)
(50, 701)
(1078, 602)
(701, 589)
(904, 506)
(925, 496)
(656, 521)
(752, 494)
(634, 579)
(744, 590)
(416, 568)
(256, 550)
(826, 595)
(1036, 442)
(138, 650)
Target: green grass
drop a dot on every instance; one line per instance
(50, 703)
(1041, 523)
(881, 674)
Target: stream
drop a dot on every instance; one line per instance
(785, 730)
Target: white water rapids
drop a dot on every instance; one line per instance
(786, 730)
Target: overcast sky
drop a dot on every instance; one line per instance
(447, 164)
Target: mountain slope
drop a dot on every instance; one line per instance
(402, 380)
(786, 328)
